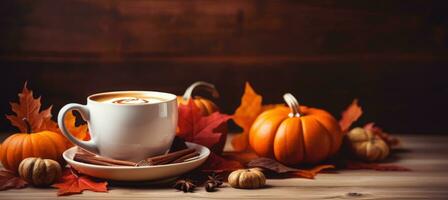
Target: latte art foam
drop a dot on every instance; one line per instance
(130, 100)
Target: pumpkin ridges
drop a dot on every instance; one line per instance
(206, 106)
(319, 134)
(37, 170)
(26, 173)
(55, 151)
(4, 151)
(247, 178)
(316, 145)
(367, 146)
(52, 169)
(13, 152)
(332, 126)
(43, 142)
(27, 152)
(55, 155)
(262, 132)
(38, 141)
(370, 152)
(330, 135)
(209, 106)
(201, 107)
(288, 142)
(60, 143)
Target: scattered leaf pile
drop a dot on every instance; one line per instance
(193, 126)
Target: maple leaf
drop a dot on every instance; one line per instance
(280, 169)
(80, 132)
(218, 164)
(204, 130)
(251, 106)
(28, 109)
(73, 183)
(10, 180)
(350, 115)
(245, 115)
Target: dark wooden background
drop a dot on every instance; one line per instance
(392, 55)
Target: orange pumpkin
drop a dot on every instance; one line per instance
(44, 144)
(206, 106)
(295, 135)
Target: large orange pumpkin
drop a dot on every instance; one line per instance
(44, 144)
(206, 106)
(295, 135)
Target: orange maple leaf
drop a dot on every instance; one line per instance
(350, 115)
(251, 106)
(28, 111)
(245, 115)
(81, 132)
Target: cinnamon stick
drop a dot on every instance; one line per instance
(174, 157)
(102, 160)
(188, 156)
(168, 158)
(88, 160)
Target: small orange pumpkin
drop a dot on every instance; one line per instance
(44, 144)
(295, 135)
(206, 106)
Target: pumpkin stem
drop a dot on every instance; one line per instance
(207, 86)
(293, 104)
(28, 125)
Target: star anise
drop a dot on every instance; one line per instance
(215, 178)
(213, 182)
(185, 185)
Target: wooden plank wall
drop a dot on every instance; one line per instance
(390, 54)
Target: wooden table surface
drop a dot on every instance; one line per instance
(425, 155)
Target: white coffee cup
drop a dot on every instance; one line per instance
(126, 125)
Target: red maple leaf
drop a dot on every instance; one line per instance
(73, 183)
(209, 131)
(10, 180)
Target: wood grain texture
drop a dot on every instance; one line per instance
(425, 155)
(391, 55)
(107, 30)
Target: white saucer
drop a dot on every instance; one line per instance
(142, 173)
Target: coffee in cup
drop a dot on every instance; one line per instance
(126, 125)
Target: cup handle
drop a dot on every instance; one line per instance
(84, 111)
